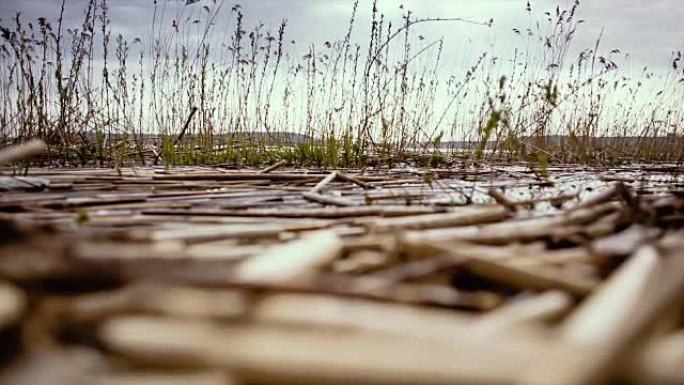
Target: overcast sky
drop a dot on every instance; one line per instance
(648, 30)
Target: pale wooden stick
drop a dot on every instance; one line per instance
(559, 257)
(166, 253)
(496, 233)
(498, 263)
(535, 278)
(600, 317)
(512, 231)
(22, 151)
(662, 360)
(357, 314)
(522, 255)
(175, 301)
(211, 233)
(321, 185)
(12, 302)
(292, 262)
(418, 249)
(460, 217)
(609, 321)
(273, 167)
(267, 354)
(523, 312)
(315, 212)
(624, 243)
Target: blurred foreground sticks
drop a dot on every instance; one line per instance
(21, 152)
(146, 278)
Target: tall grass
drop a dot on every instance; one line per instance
(98, 98)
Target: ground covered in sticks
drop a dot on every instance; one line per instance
(488, 275)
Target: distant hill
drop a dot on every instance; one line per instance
(273, 137)
(560, 140)
(669, 142)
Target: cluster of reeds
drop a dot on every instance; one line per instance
(98, 98)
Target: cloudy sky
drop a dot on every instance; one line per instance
(648, 30)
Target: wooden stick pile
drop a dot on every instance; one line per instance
(212, 276)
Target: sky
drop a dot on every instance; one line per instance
(649, 31)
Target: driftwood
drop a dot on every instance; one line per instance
(328, 200)
(516, 231)
(353, 314)
(214, 276)
(266, 354)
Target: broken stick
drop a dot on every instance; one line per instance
(292, 262)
